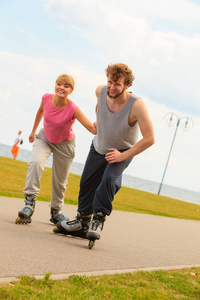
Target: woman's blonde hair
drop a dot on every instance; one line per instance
(66, 79)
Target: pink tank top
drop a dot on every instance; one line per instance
(58, 122)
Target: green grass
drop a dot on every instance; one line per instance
(13, 175)
(182, 284)
(174, 284)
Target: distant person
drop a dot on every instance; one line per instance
(57, 137)
(16, 146)
(120, 115)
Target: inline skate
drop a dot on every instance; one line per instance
(24, 215)
(57, 216)
(95, 228)
(76, 228)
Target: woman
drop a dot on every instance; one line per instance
(57, 137)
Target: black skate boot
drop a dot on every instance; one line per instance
(57, 216)
(96, 226)
(24, 215)
(77, 227)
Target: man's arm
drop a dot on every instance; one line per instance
(140, 114)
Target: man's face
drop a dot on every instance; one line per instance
(115, 88)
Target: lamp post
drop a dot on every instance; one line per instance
(185, 127)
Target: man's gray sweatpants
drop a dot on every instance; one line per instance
(63, 154)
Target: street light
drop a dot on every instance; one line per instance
(185, 126)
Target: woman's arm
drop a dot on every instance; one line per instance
(38, 118)
(79, 115)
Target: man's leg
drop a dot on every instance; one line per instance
(15, 151)
(91, 177)
(109, 186)
(102, 204)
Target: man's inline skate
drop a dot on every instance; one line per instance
(95, 228)
(24, 215)
(83, 227)
(76, 228)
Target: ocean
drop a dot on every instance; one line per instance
(127, 180)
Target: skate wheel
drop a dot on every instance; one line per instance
(56, 230)
(17, 221)
(23, 221)
(91, 244)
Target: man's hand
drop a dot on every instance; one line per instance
(113, 156)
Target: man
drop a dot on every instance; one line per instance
(17, 143)
(120, 115)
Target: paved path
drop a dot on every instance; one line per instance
(129, 242)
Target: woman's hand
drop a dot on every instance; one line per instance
(31, 138)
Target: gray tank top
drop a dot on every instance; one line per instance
(113, 130)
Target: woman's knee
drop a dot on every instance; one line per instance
(36, 165)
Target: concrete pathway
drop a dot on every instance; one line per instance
(129, 242)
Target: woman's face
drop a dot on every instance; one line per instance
(62, 89)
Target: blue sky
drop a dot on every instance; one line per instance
(159, 40)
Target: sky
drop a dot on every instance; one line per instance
(159, 40)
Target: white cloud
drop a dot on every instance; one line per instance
(176, 10)
(165, 62)
(172, 10)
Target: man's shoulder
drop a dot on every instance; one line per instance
(99, 89)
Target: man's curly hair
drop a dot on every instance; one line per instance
(119, 70)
